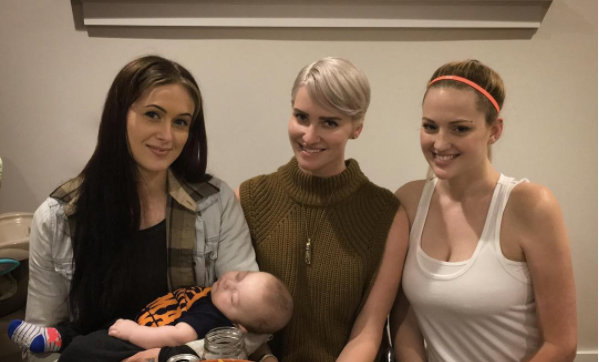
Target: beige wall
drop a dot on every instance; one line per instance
(54, 78)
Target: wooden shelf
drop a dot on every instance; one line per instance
(522, 14)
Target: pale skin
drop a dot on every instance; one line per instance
(318, 138)
(157, 130)
(532, 231)
(150, 337)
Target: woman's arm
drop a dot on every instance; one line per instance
(235, 250)
(408, 342)
(150, 355)
(262, 353)
(152, 337)
(367, 331)
(536, 216)
(48, 289)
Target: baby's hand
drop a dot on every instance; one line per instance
(123, 329)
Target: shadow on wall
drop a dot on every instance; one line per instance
(13, 179)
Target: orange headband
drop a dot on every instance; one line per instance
(470, 83)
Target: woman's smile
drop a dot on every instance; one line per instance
(159, 151)
(444, 159)
(311, 150)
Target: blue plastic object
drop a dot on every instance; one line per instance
(7, 265)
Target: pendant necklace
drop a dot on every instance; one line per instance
(308, 254)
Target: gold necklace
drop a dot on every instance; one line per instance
(308, 255)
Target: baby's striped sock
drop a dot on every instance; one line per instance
(37, 339)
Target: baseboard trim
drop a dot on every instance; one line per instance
(586, 357)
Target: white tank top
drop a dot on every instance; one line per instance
(481, 309)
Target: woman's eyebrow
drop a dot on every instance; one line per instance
(330, 118)
(457, 121)
(164, 110)
(297, 110)
(155, 106)
(322, 118)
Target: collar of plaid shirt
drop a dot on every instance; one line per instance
(181, 210)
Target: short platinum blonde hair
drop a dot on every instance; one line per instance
(335, 83)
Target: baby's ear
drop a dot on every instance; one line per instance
(241, 328)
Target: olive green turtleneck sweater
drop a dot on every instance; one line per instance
(348, 219)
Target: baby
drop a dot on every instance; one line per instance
(254, 302)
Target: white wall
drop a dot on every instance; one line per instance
(54, 77)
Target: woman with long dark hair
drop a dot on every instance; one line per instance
(143, 218)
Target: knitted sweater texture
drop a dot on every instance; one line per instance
(348, 219)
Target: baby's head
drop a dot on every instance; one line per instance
(255, 302)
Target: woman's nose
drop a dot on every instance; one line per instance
(311, 135)
(165, 132)
(441, 142)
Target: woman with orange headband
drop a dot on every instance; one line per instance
(488, 275)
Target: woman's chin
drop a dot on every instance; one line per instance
(441, 173)
(306, 167)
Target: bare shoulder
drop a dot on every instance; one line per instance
(410, 192)
(533, 208)
(531, 200)
(409, 196)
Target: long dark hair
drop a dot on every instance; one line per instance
(108, 207)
